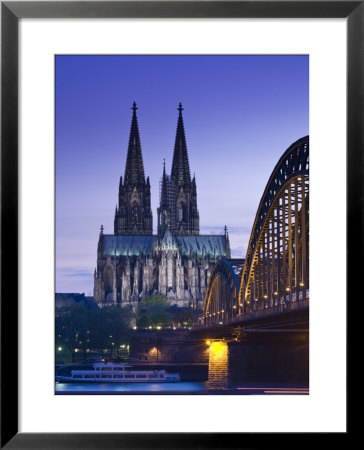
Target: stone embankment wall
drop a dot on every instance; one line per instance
(177, 346)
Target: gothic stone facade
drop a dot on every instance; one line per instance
(177, 261)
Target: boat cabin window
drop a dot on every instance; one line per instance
(118, 376)
(129, 376)
(106, 368)
(141, 376)
(106, 376)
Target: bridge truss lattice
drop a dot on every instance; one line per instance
(276, 270)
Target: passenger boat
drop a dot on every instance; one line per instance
(117, 373)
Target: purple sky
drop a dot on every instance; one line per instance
(240, 114)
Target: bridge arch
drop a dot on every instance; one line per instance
(221, 295)
(275, 270)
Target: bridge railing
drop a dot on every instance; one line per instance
(264, 313)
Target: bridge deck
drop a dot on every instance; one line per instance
(279, 311)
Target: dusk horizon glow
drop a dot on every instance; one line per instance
(241, 112)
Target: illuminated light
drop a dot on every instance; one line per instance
(59, 349)
(158, 328)
(234, 306)
(302, 284)
(76, 350)
(150, 327)
(222, 310)
(134, 328)
(288, 289)
(265, 296)
(208, 342)
(218, 351)
(256, 299)
(276, 293)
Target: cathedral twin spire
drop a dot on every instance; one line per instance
(180, 164)
(178, 202)
(133, 215)
(134, 168)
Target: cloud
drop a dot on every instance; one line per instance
(238, 252)
(74, 279)
(218, 229)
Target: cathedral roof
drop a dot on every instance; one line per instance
(168, 242)
(203, 244)
(125, 244)
(206, 245)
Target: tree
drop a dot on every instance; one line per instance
(152, 311)
(71, 328)
(79, 327)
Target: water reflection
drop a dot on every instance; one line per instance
(183, 386)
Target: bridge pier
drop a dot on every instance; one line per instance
(262, 356)
(270, 356)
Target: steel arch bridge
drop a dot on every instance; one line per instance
(222, 292)
(275, 272)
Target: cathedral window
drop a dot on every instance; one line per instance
(134, 214)
(180, 212)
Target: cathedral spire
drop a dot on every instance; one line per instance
(180, 164)
(134, 169)
(134, 215)
(164, 192)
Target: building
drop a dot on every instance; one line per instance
(66, 300)
(177, 261)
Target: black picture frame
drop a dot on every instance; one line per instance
(11, 12)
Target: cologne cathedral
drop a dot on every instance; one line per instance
(177, 261)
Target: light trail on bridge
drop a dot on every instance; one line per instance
(274, 390)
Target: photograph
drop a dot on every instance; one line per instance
(164, 284)
(181, 224)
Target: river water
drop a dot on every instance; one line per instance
(183, 387)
